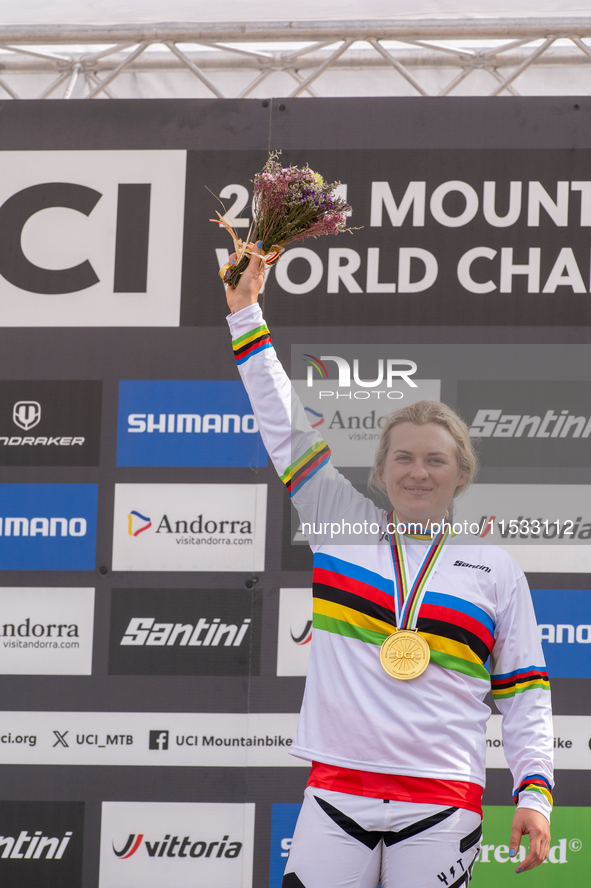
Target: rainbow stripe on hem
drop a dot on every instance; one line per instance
(534, 783)
(252, 343)
(511, 683)
(310, 462)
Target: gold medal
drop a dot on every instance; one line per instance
(405, 654)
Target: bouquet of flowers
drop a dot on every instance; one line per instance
(290, 203)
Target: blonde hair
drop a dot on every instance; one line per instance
(420, 413)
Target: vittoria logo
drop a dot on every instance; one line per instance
(304, 637)
(26, 414)
(177, 846)
(185, 844)
(294, 631)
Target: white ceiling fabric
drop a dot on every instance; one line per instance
(119, 11)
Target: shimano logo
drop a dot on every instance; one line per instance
(192, 423)
(146, 631)
(52, 527)
(496, 424)
(557, 633)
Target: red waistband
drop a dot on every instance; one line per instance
(399, 788)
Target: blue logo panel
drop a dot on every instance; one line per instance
(564, 621)
(48, 526)
(282, 829)
(187, 423)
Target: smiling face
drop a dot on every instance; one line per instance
(421, 472)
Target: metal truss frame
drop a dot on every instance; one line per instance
(504, 48)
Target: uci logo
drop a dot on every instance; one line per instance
(98, 224)
(26, 414)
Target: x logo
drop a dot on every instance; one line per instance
(61, 739)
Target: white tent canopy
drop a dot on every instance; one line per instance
(188, 48)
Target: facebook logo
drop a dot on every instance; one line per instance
(187, 423)
(48, 526)
(283, 824)
(158, 740)
(564, 624)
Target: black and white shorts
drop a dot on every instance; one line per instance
(349, 841)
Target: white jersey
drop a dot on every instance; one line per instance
(477, 616)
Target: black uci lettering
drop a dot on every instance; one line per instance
(15, 213)
(131, 244)
(131, 248)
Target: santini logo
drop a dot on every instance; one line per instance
(26, 414)
(137, 523)
(173, 423)
(75, 527)
(37, 846)
(145, 631)
(395, 369)
(496, 424)
(176, 847)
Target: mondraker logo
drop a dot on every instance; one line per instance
(304, 637)
(26, 414)
(137, 523)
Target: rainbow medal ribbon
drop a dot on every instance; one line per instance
(405, 654)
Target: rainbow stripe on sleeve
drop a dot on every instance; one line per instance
(518, 681)
(534, 783)
(310, 462)
(252, 343)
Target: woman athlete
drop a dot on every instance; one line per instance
(393, 718)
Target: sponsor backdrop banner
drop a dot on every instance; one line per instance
(155, 583)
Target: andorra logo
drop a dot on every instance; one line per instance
(131, 846)
(316, 419)
(133, 521)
